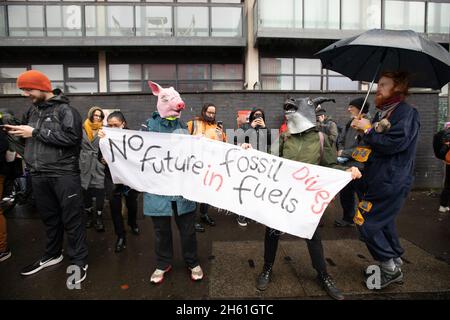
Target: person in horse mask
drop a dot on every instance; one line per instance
(302, 142)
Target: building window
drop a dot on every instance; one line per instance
(63, 21)
(301, 74)
(26, 21)
(337, 82)
(277, 73)
(227, 76)
(68, 78)
(438, 17)
(400, 15)
(192, 22)
(81, 79)
(308, 74)
(154, 21)
(8, 77)
(183, 77)
(2, 22)
(125, 77)
(361, 14)
(322, 14)
(110, 21)
(226, 22)
(280, 14)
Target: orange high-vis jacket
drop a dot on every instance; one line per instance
(209, 130)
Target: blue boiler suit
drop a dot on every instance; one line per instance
(387, 179)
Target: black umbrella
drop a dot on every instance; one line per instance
(363, 56)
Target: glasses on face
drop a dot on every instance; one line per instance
(209, 112)
(97, 116)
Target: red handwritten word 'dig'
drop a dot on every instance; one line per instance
(321, 196)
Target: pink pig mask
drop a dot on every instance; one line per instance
(169, 103)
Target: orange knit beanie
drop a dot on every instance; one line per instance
(33, 79)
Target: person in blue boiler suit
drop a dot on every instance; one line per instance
(389, 154)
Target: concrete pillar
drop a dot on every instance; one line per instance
(102, 71)
(251, 53)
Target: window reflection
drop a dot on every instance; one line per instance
(125, 72)
(26, 21)
(402, 15)
(438, 17)
(361, 14)
(277, 65)
(2, 21)
(281, 14)
(322, 14)
(154, 21)
(277, 82)
(226, 22)
(63, 20)
(192, 22)
(53, 71)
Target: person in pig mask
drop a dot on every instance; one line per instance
(161, 208)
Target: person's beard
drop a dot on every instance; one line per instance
(381, 100)
(38, 100)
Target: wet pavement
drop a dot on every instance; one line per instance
(232, 258)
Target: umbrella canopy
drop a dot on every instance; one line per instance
(362, 57)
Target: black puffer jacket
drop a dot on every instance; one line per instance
(54, 149)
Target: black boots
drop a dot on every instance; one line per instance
(264, 278)
(208, 220)
(198, 227)
(327, 283)
(121, 244)
(134, 229)
(99, 226)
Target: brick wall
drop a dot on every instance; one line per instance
(138, 107)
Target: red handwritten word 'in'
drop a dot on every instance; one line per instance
(213, 176)
(321, 196)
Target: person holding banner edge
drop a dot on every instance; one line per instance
(206, 126)
(114, 192)
(302, 142)
(162, 208)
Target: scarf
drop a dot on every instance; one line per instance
(90, 127)
(389, 106)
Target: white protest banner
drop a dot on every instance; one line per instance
(286, 195)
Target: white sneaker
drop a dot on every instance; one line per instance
(196, 273)
(158, 275)
(242, 221)
(444, 209)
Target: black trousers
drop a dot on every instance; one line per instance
(163, 239)
(315, 249)
(204, 208)
(348, 201)
(98, 194)
(445, 195)
(60, 205)
(114, 193)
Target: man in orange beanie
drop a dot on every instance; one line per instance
(52, 132)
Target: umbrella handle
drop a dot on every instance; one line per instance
(373, 80)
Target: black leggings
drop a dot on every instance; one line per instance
(98, 194)
(314, 247)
